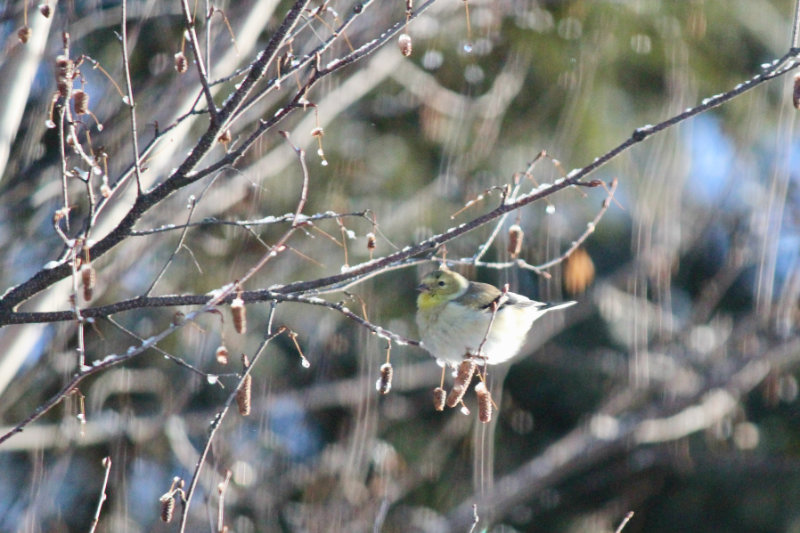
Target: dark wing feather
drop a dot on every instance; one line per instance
(480, 295)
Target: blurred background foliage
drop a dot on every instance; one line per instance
(695, 277)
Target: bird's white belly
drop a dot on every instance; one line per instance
(451, 332)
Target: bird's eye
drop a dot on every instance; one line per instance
(441, 283)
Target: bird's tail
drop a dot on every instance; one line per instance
(554, 306)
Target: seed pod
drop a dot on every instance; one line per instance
(404, 43)
(167, 507)
(178, 318)
(796, 92)
(244, 392)
(45, 10)
(484, 402)
(384, 384)
(222, 355)
(24, 33)
(81, 100)
(465, 372)
(239, 315)
(317, 132)
(515, 237)
(105, 190)
(181, 63)
(226, 137)
(371, 241)
(438, 398)
(88, 278)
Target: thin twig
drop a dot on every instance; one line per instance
(174, 359)
(100, 365)
(192, 207)
(221, 488)
(624, 522)
(494, 307)
(263, 221)
(475, 517)
(126, 68)
(590, 227)
(201, 69)
(796, 26)
(483, 248)
(217, 422)
(259, 67)
(103, 496)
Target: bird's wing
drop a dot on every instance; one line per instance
(480, 295)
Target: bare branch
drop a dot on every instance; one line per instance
(103, 495)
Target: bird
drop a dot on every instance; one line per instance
(460, 319)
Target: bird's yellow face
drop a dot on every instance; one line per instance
(439, 287)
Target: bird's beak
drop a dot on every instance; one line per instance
(422, 287)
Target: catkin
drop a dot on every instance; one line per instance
(796, 92)
(244, 392)
(81, 100)
(484, 402)
(465, 372)
(88, 279)
(439, 396)
(181, 63)
(222, 355)
(24, 33)
(515, 238)
(384, 384)
(404, 43)
(167, 507)
(239, 315)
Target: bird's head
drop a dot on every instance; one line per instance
(440, 286)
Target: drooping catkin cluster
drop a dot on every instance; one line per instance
(796, 92)
(464, 375)
(244, 392)
(466, 370)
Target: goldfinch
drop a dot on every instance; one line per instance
(454, 317)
